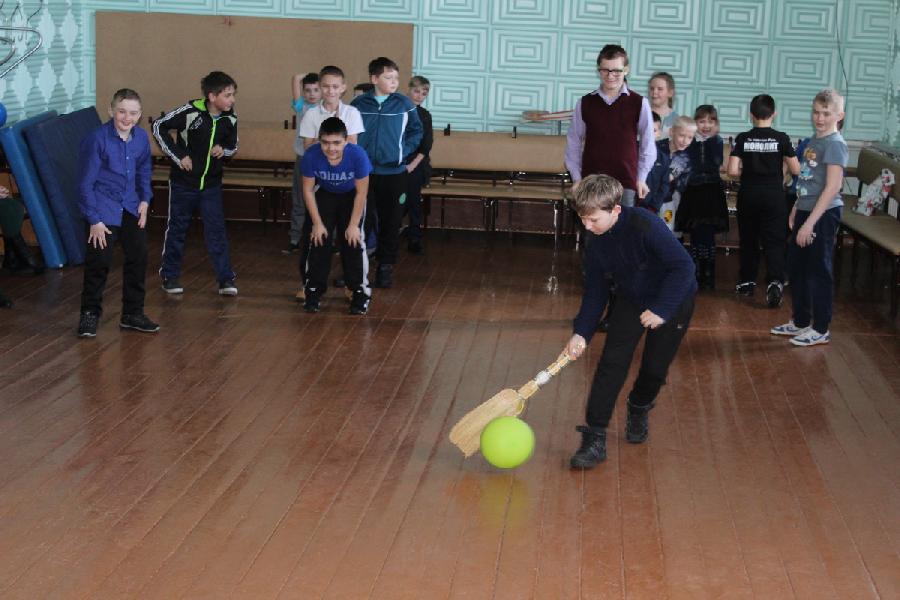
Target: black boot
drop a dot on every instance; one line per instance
(637, 424)
(18, 257)
(592, 450)
(384, 276)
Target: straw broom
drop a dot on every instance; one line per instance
(466, 434)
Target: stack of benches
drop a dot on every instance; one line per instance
(495, 168)
(880, 231)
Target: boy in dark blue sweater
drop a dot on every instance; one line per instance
(655, 288)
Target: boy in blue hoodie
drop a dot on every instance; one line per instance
(393, 132)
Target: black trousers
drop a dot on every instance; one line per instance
(417, 180)
(762, 221)
(383, 205)
(98, 260)
(625, 331)
(335, 211)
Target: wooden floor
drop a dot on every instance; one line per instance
(250, 450)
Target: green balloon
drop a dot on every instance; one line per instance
(507, 442)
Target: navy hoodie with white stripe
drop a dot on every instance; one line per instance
(197, 132)
(393, 131)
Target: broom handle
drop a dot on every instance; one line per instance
(527, 391)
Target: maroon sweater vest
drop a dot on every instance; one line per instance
(610, 139)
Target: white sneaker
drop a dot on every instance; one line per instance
(811, 338)
(789, 329)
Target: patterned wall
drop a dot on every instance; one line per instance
(491, 59)
(54, 76)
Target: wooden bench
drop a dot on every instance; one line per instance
(264, 163)
(495, 168)
(880, 231)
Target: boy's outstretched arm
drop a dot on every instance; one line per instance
(175, 120)
(834, 177)
(230, 143)
(412, 135)
(575, 144)
(734, 166)
(679, 268)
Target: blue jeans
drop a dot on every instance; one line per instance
(812, 272)
(183, 201)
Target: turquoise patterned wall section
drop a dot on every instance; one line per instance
(491, 59)
(892, 98)
(53, 77)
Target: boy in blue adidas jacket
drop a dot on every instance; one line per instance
(393, 132)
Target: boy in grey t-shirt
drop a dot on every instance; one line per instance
(814, 222)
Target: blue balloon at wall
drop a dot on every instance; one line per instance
(2, 115)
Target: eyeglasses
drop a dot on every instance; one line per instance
(613, 72)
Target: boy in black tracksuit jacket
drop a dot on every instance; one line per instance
(206, 134)
(393, 132)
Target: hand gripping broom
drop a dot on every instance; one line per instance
(466, 434)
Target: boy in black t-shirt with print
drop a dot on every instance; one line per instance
(759, 156)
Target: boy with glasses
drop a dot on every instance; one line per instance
(612, 129)
(612, 134)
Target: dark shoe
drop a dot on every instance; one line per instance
(384, 277)
(359, 303)
(227, 288)
(312, 304)
(138, 322)
(592, 450)
(415, 247)
(87, 324)
(774, 294)
(5, 302)
(291, 249)
(172, 286)
(637, 423)
(17, 256)
(745, 288)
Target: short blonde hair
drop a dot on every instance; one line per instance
(596, 192)
(684, 122)
(830, 97)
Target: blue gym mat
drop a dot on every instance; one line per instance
(32, 191)
(54, 146)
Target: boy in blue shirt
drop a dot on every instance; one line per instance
(655, 287)
(341, 172)
(114, 195)
(392, 133)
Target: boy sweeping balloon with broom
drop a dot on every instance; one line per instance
(655, 278)
(655, 286)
